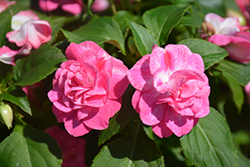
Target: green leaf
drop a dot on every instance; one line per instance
(103, 29)
(144, 40)
(236, 90)
(28, 147)
(192, 20)
(210, 142)
(212, 6)
(134, 150)
(5, 25)
(238, 71)
(243, 161)
(161, 20)
(38, 65)
(119, 121)
(121, 16)
(17, 96)
(209, 52)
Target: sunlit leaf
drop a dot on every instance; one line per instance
(161, 20)
(36, 66)
(29, 147)
(144, 40)
(103, 29)
(210, 142)
(17, 96)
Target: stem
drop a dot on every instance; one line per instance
(113, 6)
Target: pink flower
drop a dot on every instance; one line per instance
(100, 5)
(4, 4)
(244, 6)
(28, 29)
(230, 34)
(87, 88)
(171, 90)
(7, 55)
(72, 6)
(72, 148)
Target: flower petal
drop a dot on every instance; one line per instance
(162, 130)
(140, 76)
(76, 128)
(179, 125)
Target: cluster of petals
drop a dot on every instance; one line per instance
(244, 6)
(29, 30)
(7, 55)
(73, 149)
(171, 90)
(71, 6)
(100, 5)
(4, 4)
(87, 88)
(228, 32)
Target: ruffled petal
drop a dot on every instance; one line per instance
(140, 76)
(98, 118)
(162, 130)
(76, 128)
(119, 80)
(179, 125)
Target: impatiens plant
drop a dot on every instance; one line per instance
(124, 83)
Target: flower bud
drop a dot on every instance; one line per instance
(6, 115)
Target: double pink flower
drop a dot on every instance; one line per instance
(171, 90)
(29, 30)
(230, 34)
(88, 88)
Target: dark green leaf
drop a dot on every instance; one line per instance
(210, 142)
(17, 96)
(103, 29)
(212, 6)
(238, 71)
(236, 90)
(192, 20)
(121, 119)
(5, 25)
(36, 66)
(209, 52)
(243, 161)
(144, 40)
(161, 20)
(134, 150)
(28, 147)
(121, 16)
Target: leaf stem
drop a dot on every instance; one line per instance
(113, 8)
